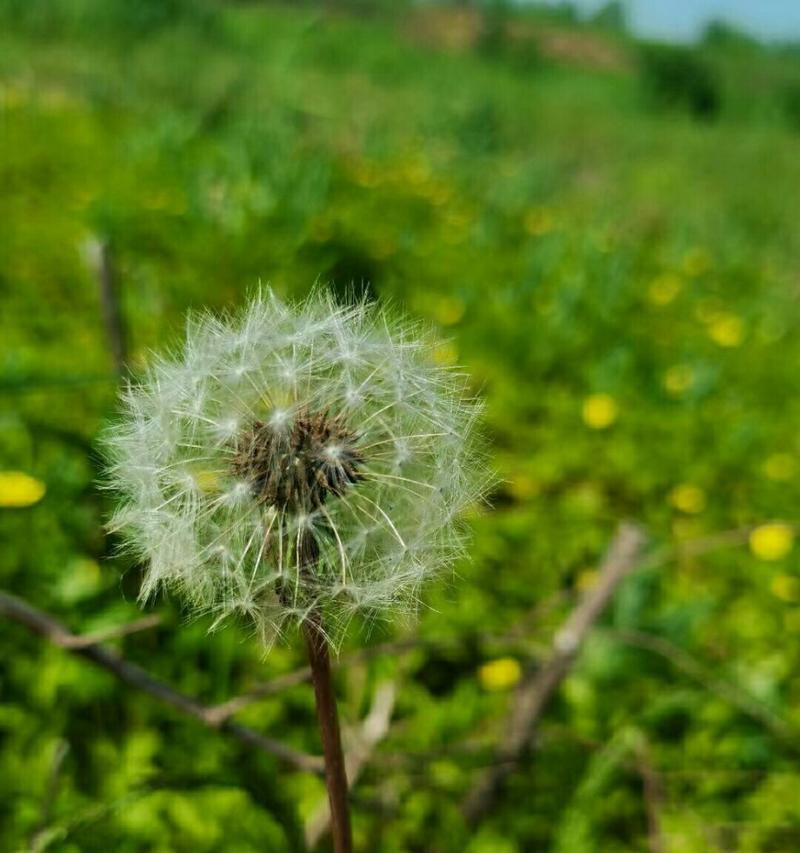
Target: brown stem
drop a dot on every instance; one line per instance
(335, 775)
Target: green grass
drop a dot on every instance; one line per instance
(570, 240)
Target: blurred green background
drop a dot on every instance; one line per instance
(606, 232)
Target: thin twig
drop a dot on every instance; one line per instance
(372, 731)
(46, 626)
(99, 256)
(537, 688)
(79, 641)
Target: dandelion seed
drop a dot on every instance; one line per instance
(297, 459)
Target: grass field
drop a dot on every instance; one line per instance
(618, 270)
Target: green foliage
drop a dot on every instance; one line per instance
(680, 78)
(621, 284)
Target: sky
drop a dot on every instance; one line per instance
(684, 19)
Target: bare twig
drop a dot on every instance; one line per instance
(537, 688)
(78, 641)
(98, 254)
(46, 626)
(371, 732)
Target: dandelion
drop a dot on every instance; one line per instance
(727, 330)
(678, 379)
(780, 467)
(599, 411)
(664, 289)
(772, 541)
(499, 674)
(18, 489)
(298, 465)
(688, 498)
(786, 588)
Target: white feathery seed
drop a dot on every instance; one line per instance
(296, 458)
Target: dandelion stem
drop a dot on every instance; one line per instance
(327, 712)
(328, 717)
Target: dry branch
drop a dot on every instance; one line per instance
(46, 626)
(537, 688)
(99, 256)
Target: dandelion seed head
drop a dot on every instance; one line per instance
(296, 457)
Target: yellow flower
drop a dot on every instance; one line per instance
(726, 330)
(678, 379)
(786, 587)
(449, 310)
(500, 674)
(539, 222)
(446, 354)
(524, 487)
(772, 541)
(19, 490)
(664, 289)
(779, 466)
(599, 411)
(688, 498)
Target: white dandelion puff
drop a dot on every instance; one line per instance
(296, 459)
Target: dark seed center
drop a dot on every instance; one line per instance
(296, 465)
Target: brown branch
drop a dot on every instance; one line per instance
(99, 256)
(537, 688)
(46, 626)
(78, 641)
(372, 731)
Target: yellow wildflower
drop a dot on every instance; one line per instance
(664, 288)
(524, 487)
(678, 379)
(446, 354)
(779, 466)
(449, 310)
(499, 674)
(726, 330)
(786, 587)
(772, 541)
(688, 498)
(20, 490)
(599, 411)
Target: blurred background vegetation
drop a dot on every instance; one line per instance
(606, 231)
